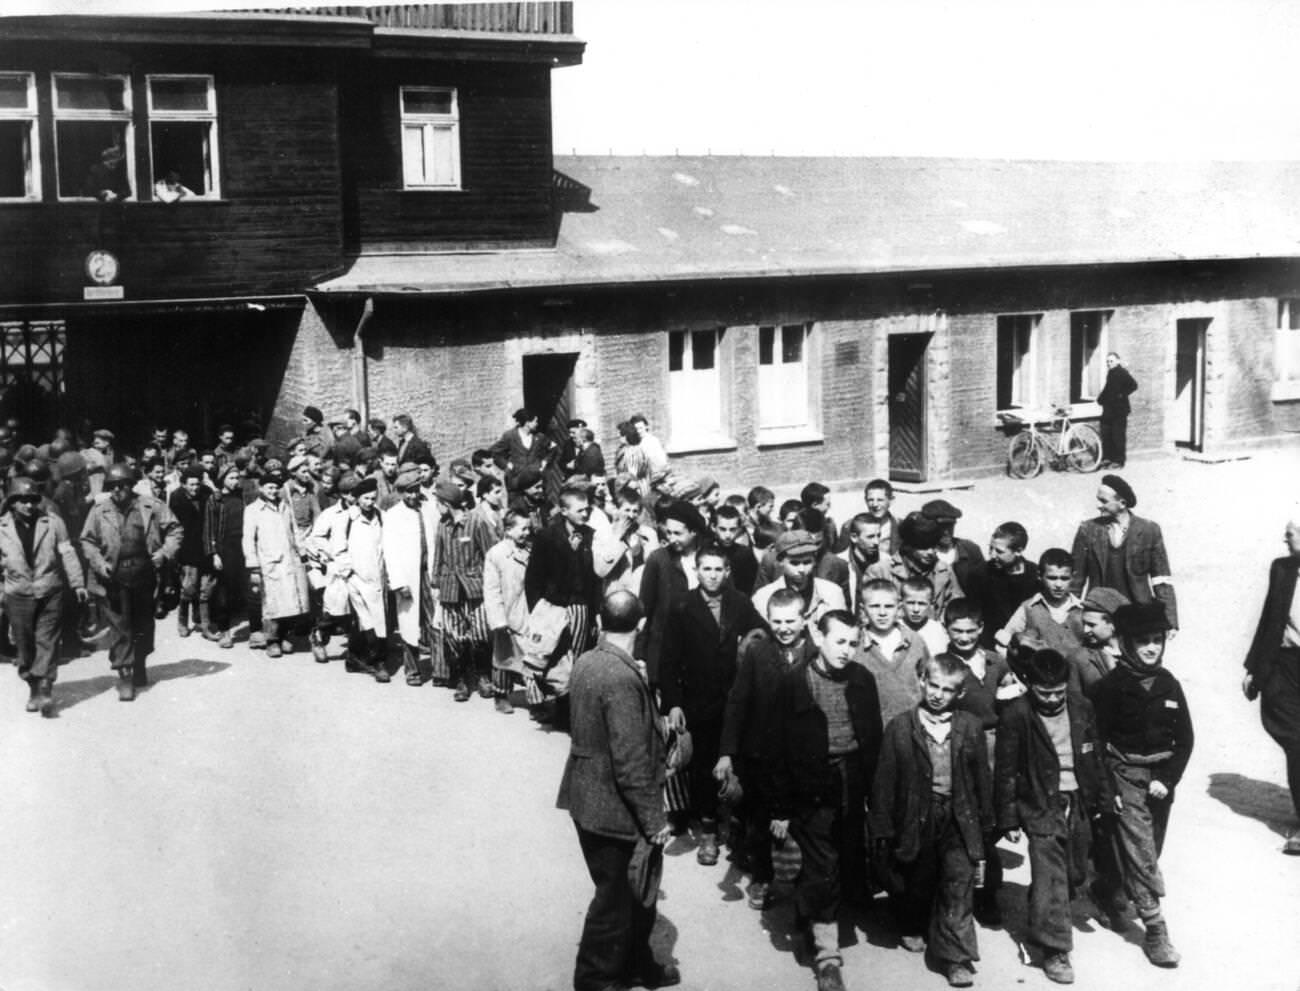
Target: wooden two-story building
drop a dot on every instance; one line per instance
(375, 220)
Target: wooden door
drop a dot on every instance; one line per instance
(907, 407)
(548, 392)
(1189, 383)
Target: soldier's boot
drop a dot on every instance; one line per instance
(45, 697)
(33, 699)
(125, 685)
(205, 623)
(183, 618)
(139, 676)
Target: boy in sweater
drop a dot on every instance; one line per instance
(889, 650)
(1053, 615)
(1050, 783)
(1147, 732)
(931, 806)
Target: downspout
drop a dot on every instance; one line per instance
(360, 386)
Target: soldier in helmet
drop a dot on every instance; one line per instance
(125, 540)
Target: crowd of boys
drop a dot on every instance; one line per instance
(879, 696)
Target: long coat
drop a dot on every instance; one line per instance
(1146, 564)
(698, 662)
(402, 560)
(323, 573)
(613, 782)
(271, 546)
(664, 579)
(1113, 398)
(1279, 695)
(504, 571)
(358, 546)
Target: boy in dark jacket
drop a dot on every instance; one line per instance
(931, 807)
(830, 739)
(1147, 731)
(749, 726)
(1049, 782)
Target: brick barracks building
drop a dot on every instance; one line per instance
(379, 223)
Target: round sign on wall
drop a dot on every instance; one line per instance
(101, 267)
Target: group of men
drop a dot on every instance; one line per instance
(841, 689)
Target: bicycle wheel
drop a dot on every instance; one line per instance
(1083, 448)
(1024, 460)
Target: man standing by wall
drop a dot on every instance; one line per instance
(613, 787)
(1113, 400)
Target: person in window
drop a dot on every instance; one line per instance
(107, 181)
(169, 188)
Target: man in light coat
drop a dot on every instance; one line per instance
(358, 552)
(409, 531)
(39, 563)
(331, 611)
(504, 599)
(275, 562)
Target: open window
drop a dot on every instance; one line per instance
(183, 137)
(1088, 348)
(92, 137)
(20, 164)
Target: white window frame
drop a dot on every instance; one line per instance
(1026, 375)
(788, 396)
(32, 144)
(1286, 350)
(429, 125)
(1092, 370)
(125, 116)
(212, 180)
(696, 397)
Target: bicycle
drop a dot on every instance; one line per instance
(1077, 446)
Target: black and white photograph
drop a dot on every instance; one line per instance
(602, 494)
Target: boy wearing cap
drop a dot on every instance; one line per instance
(1123, 551)
(961, 555)
(1049, 782)
(830, 732)
(1052, 616)
(796, 557)
(918, 557)
(189, 506)
(300, 493)
(460, 547)
(1146, 728)
(275, 564)
(1099, 651)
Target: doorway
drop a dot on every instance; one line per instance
(1189, 383)
(907, 407)
(548, 392)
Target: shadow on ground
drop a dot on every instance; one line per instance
(68, 694)
(1261, 800)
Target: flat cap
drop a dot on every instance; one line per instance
(1103, 599)
(919, 532)
(450, 493)
(1138, 618)
(796, 542)
(407, 478)
(940, 509)
(274, 476)
(297, 461)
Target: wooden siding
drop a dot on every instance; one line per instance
(541, 17)
(505, 159)
(277, 226)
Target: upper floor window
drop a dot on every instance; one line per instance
(786, 379)
(92, 136)
(183, 137)
(1088, 337)
(1018, 358)
(20, 166)
(430, 138)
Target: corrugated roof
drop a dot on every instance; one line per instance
(640, 219)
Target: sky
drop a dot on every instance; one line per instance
(1140, 79)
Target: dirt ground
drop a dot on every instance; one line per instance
(275, 825)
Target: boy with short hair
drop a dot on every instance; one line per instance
(1003, 581)
(763, 530)
(1146, 728)
(749, 726)
(889, 650)
(1053, 616)
(862, 551)
(829, 715)
(1049, 782)
(931, 806)
(915, 594)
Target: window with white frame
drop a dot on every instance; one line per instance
(20, 164)
(430, 137)
(1088, 348)
(183, 137)
(1286, 361)
(695, 383)
(92, 136)
(786, 378)
(1017, 360)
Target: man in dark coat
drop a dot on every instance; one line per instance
(613, 787)
(1113, 400)
(1273, 666)
(1122, 551)
(696, 669)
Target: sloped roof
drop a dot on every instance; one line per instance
(639, 219)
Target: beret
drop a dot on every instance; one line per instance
(940, 509)
(274, 476)
(313, 414)
(194, 471)
(450, 493)
(796, 542)
(296, 462)
(1105, 600)
(348, 482)
(1121, 488)
(1138, 618)
(527, 478)
(364, 486)
(407, 478)
(919, 532)
(685, 514)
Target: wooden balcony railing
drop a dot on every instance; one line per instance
(541, 17)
